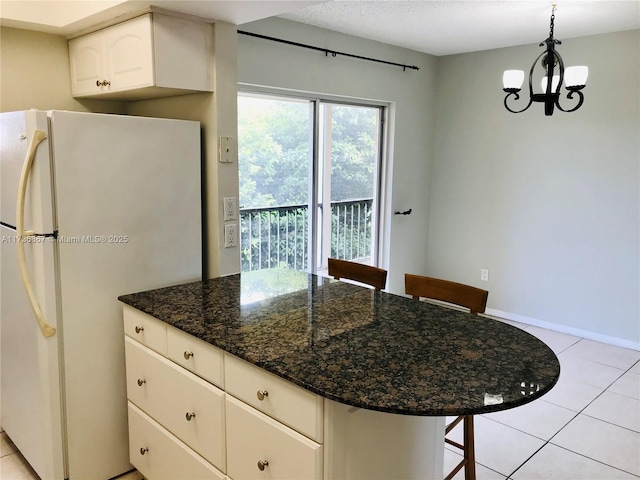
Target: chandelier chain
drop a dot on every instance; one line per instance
(553, 17)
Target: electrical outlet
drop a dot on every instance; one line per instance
(230, 235)
(229, 208)
(484, 275)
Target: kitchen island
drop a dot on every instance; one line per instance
(380, 370)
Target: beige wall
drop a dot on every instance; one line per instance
(34, 73)
(217, 114)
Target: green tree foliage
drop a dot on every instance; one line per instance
(353, 152)
(274, 151)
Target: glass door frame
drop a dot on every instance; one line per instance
(379, 224)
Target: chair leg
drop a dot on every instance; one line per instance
(469, 449)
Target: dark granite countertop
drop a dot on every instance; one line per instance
(360, 347)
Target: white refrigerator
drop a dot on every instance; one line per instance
(93, 206)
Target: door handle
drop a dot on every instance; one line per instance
(36, 139)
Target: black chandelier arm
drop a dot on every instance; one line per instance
(570, 97)
(513, 93)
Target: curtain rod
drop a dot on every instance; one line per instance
(326, 51)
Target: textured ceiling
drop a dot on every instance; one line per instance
(435, 27)
(449, 27)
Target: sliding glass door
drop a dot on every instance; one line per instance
(309, 181)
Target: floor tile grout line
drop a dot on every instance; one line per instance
(567, 348)
(593, 459)
(530, 457)
(624, 369)
(611, 423)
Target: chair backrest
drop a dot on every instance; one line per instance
(475, 299)
(374, 276)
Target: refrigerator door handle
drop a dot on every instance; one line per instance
(38, 136)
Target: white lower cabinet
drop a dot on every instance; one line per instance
(158, 454)
(260, 447)
(187, 406)
(184, 426)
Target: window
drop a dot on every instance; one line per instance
(309, 181)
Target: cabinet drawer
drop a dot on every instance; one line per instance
(145, 329)
(284, 401)
(186, 405)
(195, 355)
(163, 456)
(253, 437)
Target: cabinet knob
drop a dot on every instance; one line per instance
(103, 83)
(143, 450)
(141, 382)
(189, 416)
(188, 355)
(261, 394)
(262, 464)
(139, 329)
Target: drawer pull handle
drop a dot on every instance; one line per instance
(141, 381)
(188, 355)
(143, 450)
(262, 464)
(261, 394)
(139, 329)
(189, 416)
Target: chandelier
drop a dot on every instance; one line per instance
(573, 78)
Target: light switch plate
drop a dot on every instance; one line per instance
(225, 149)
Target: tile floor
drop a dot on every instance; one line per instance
(586, 428)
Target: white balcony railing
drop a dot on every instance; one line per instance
(279, 236)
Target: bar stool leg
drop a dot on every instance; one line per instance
(469, 449)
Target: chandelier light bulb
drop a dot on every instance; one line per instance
(513, 79)
(576, 76)
(554, 83)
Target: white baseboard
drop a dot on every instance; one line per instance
(598, 337)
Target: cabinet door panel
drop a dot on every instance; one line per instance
(86, 64)
(163, 456)
(187, 406)
(253, 437)
(129, 54)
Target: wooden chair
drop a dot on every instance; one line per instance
(374, 276)
(475, 299)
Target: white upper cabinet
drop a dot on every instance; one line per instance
(149, 56)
